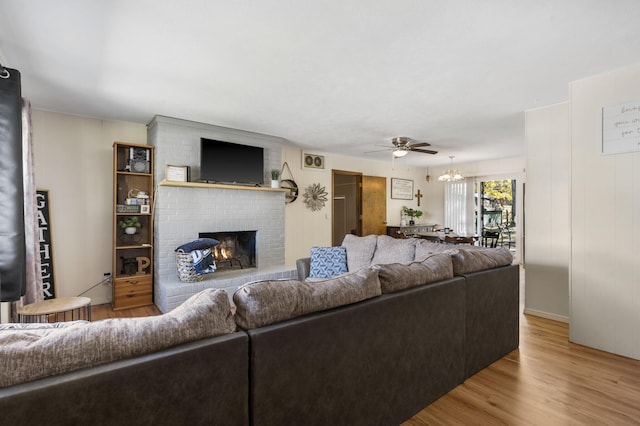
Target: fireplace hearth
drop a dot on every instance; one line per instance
(237, 249)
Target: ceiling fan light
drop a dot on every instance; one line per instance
(400, 153)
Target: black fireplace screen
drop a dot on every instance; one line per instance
(237, 249)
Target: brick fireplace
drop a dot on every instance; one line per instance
(183, 213)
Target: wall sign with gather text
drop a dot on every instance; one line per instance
(46, 245)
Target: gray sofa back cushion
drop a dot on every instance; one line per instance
(396, 276)
(473, 259)
(394, 250)
(28, 355)
(359, 250)
(265, 302)
(425, 248)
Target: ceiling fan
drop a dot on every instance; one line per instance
(402, 145)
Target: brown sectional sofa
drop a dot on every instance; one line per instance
(168, 369)
(357, 349)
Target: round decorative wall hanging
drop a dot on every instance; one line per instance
(289, 184)
(292, 195)
(315, 196)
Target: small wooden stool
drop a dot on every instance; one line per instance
(77, 307)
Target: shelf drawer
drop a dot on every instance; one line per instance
(132, 291)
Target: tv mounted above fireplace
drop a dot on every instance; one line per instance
(227, 162)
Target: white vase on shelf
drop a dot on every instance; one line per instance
(275, 183)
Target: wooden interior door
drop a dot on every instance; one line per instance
(374, 205)
(346, 204)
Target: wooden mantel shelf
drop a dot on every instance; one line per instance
(219, 186)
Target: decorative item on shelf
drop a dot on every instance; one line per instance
(275, 174)
(315, 196)
(413, 214)
(124, 208)
(129, 265)
(130, 224)
(143, 263)
(135, 197)
(177, 173)
(451, 175)
(289, 184)
(139, 160)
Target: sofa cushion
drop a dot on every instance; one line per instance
(473, 259)
(394, 250)
(40, 328)
(395, 277)
(425, 248)
(265, 302)
(328, 262)
(359, 250)
(28, 355)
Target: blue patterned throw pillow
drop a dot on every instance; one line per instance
(327, 262)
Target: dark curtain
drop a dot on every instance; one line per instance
(12, 230)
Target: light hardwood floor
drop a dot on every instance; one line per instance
(99, 312)
(547, 381)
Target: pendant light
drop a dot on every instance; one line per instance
(451, 175)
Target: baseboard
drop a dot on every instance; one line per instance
(546, 315)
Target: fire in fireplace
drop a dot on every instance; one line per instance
(237, 249)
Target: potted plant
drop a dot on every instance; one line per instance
(413, 214)
(130, 224)
(275, 174)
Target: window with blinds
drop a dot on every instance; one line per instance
(459, 207)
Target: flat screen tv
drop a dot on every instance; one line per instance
(227, 162)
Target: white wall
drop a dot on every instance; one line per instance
(605, 221)
(305, 228)
(73, 160)
(547, 242)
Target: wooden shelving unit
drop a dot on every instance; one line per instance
(133, 194)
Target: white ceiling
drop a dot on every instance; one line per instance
(333, 75)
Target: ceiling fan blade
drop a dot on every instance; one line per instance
(379, 150)
(413, 145)
(425, 151)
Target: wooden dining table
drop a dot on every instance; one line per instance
(449, 238)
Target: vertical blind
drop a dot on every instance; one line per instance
(459, 206)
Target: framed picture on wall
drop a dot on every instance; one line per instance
(401, 189)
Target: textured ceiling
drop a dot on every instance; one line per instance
(333, 75)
